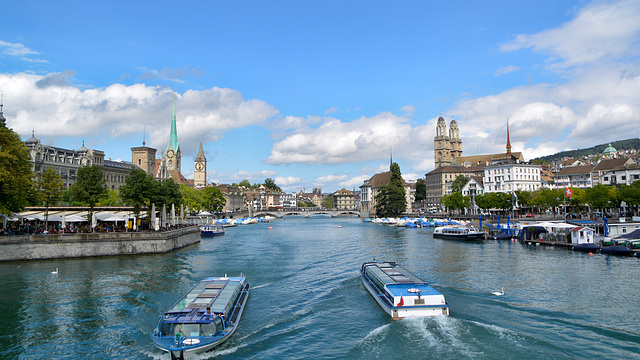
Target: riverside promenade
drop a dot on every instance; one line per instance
(79, 245)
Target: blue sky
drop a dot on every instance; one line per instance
(315, 94)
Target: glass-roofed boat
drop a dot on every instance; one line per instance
(400, 293)
(204, 318)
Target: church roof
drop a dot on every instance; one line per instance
(173, 137)
(486, 159)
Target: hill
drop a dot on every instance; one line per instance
(595, 150)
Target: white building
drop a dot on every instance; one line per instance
(622, 175)
(509, 176)
(289, 201)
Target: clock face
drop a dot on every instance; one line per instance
(199, 166)
(170, 153)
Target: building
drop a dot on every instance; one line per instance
(604, 166)
(66, 162)
(622, 175)
(473, 188)
(574, 176)
(144, 157)
(509, 176)
(234, 197)
(288, 201)
(372, 187)
(439, 180)
(446, 148)
(343, 200)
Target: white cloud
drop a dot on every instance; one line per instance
(600, 30)
(15, 49)
(505, 70)
(284, 181)
(336, 142)
(55, 108)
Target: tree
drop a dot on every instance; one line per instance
(16, 184)
(138, 190)
(192, 198)
(458, 183)
(327, 203)
(245, 183)
(421, 190)
(270, 184)
(213, 199)
(166, 192)
(89, 186)
(111, 198)
(49, 190)
(600, 196)
(455, 201)
(391, 200)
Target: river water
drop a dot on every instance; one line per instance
(307, 300)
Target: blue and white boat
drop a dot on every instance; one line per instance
(457, 232)
(211, 230)
(204, 318)
(400, 293)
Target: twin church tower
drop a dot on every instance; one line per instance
(446, 147)
(169, 166)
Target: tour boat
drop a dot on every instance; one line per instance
(204, 318)
(211, 230)
(400, 293)
(458, 233)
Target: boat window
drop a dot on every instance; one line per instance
(208, 329)
(190, 330)
(218, 325)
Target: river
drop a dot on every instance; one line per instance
(308, 302)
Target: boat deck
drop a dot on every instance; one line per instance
(216, 293)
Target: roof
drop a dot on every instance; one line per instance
(380, 180)
(487, 159)
(605, 165)
(572, 170)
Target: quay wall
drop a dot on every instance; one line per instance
(60, 246)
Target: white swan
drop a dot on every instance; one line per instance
(55, 272)
(498, 293)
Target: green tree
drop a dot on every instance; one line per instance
(600, 196)
(546, 198)
(213, 200)
(327, 203)
(138, 190)
(455, 201)
(166, 192)
(49, 190)
(192, 198)
(458, 183)
(111, 198)
(391, 200)
(245, 183)
(421, 190)
(89, 186)
(16, 184)
(270, 184)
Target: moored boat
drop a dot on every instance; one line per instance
(211, 230)
(458, 233)
(617, 250)
(587, 247)
(204, 318)
(400, 293)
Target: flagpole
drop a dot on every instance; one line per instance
(564, 202)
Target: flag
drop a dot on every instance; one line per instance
(515, 198)
(567, 192)
(401, 301)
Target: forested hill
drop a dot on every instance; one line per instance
(596, 150)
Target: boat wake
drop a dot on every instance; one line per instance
(260, 286)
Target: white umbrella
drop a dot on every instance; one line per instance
(94, 221)
(164, 216)
(153, 216)
(173, 215)
(63, 222)
(181, 213)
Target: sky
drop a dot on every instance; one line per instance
(320, 94)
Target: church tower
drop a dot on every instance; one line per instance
(454, 139)
(508, 139)
(200, 166)
(441, 144)
(173, 154)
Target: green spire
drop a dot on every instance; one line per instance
(173, 138)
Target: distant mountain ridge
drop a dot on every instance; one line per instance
(595, 150)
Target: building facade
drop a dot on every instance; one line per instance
(200, 169)
(343, 200)
(372, 187)
(439, 181)
(510, 176)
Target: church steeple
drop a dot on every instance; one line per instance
(508, 139)
(173, 138)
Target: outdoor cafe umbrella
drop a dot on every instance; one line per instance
(153, 215)
(164, 216)
(173, 215)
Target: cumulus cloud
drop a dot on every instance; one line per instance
(337, 142)
(55, 108)
(283, 181)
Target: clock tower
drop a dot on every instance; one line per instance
(200, 169)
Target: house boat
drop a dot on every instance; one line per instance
(204, 318)
(400, 293)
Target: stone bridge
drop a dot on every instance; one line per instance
(307, 213)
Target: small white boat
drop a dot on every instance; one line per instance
(455, 232)
(400, 293)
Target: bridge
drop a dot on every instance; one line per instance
(307, 213)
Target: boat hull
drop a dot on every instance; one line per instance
(478, 236)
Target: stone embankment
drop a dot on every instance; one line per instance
(60, 246)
